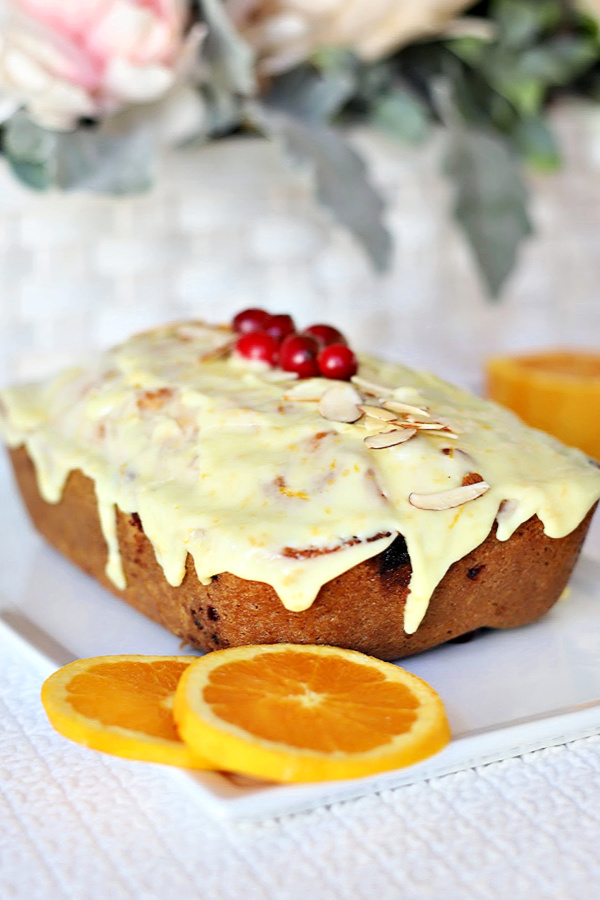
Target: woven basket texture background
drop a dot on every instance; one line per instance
(229, 226)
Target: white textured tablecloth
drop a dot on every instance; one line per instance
(81, 825)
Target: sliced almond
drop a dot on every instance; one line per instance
(276, 375)
(219, 352)
(340, 403)
(429, 426)
(409, 394)
(371, 387)
(405, 408)
(306, 389)
(389, 438)
(195, 331)
(445, 433)
(449, 499)
(376, 412)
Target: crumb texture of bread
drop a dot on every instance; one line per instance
(501, 584)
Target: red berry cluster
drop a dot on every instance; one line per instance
(318, 350)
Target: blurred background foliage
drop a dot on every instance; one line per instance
(486, 78)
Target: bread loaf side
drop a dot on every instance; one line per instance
(500, 584)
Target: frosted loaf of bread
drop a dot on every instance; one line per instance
(251, 472)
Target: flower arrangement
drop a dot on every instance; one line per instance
(91, 90)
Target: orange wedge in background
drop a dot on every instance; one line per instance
(122, 705)
(289, 712)
(557, 391)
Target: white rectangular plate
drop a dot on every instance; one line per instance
(505, 692)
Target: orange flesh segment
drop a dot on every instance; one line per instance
(287, 698)
(133, 695)
(298, 712)
(121, 705)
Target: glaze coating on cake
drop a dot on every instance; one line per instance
(242, 469)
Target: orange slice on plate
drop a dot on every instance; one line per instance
(122, 705)
(289, 712)
(557, 391)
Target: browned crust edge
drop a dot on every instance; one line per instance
(498, 585)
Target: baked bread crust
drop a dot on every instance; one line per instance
(499, 585)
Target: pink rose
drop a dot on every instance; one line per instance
(64, 59)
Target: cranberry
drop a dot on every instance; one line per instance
(258, 345)
(280, 326)
(250, 320)
(337, 361)
(298, 353)
(325, 335)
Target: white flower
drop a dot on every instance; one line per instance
(285, 32)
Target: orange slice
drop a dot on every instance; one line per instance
(290, 712)
(557, 391)
(122, 705)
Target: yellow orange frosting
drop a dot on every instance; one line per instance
(234, 463)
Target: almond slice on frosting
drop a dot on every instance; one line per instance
(406, 408)
(449, 499)
(376, 412)
(444, 433)
(371, 387)
(218, 352)
(426, 426)
(340, 403)
(389, 438)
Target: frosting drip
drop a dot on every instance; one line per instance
(234, 464)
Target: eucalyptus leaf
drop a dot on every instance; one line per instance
(340, 177)
(223, 111)
(311, 95)
(34, 175)
(471, 50)
(491, 201)
(525, 92)
(559, 61)
(521, 21)
(30, 151)
(403, 115)
(229, 57)
(537, 144)
(90, 160)
(334, 59)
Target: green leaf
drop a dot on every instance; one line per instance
(334, 59)
(491, 201)
(91, 160)
(521, 21)
(311, 95)
(471, 50)
(340, 177)
(223, 111)
(537, 144)
(559, 61)
(229, 57)
(525, 92)
(30, 151)
(403, 115)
